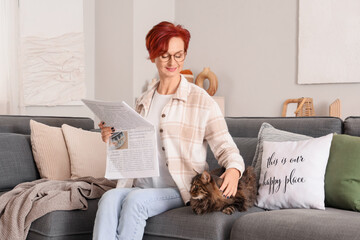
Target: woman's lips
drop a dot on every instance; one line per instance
(171, 69)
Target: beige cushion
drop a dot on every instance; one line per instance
(49, 150)
(87, 152)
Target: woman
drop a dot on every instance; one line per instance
(186, 119)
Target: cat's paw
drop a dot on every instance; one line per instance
(229, 210)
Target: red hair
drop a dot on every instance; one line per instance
(157, 39)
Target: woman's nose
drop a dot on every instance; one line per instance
(172, 60)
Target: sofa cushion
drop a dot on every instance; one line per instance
(50, 152)
(65, 225)
(86, 150)
(16, 161)
(292, 173)
(342, 179)
(352, 126)
(182, 223)
(298, 224)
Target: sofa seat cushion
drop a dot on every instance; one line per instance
(298, 224)
(182, 223)
(65, 225)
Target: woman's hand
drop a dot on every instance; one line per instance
(229, 186)
(105, 131)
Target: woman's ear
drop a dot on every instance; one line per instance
(152, 60)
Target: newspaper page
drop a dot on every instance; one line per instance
(131, 150)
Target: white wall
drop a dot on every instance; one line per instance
(252, 47)
(113, 54)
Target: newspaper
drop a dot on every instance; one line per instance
(131, 150)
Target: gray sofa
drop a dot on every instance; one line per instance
(17, 165)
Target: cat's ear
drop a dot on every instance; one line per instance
(205, 177)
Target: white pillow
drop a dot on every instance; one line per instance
(293, 173)
(87, 152)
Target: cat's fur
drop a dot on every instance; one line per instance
(206, 196)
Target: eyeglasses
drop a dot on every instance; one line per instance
(178, 57)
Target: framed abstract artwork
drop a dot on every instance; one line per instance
(52, 64)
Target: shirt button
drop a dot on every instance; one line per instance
(163, 115)
(163, 148)
(161, 130)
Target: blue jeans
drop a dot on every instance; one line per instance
(122, 212)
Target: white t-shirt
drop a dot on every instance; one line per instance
(158, 102)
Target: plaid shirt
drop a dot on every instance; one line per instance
(190, 121)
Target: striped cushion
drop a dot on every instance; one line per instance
(49, 150)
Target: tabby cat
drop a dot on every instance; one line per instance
(206, 195)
